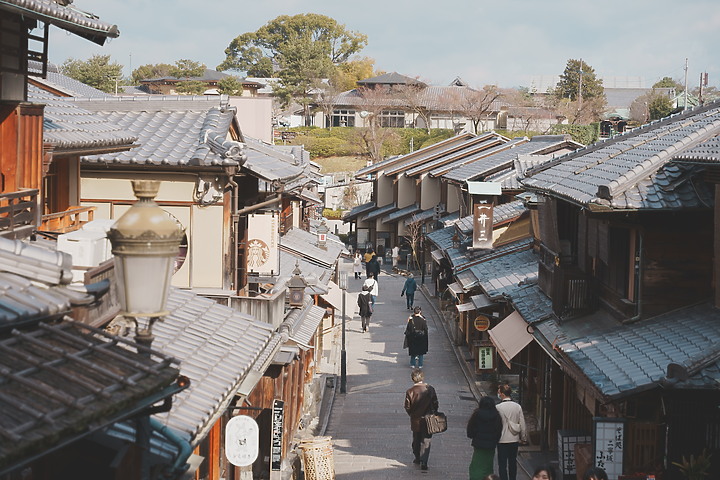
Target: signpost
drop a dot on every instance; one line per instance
(278, 414)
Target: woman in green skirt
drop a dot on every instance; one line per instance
(484, 427)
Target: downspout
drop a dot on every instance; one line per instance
(235, 221)
(184, 448)
(638, 278)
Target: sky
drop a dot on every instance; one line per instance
(509, 44)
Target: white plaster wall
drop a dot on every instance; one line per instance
(406, 191)
(430, 192)
(452, 198)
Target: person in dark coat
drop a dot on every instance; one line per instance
(416, 336)
(409, 290)
(365, 305)
(373, 268)
(484, 427)
(420, 399)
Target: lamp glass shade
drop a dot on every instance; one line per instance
(143, 283)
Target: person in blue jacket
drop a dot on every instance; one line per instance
(409, 291)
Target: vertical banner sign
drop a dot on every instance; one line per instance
(609, 445)
(485, 358)
(277, 435)
(482, 225)
(263, 256)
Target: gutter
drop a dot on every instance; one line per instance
(184, 449)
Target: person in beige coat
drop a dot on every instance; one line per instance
(513, 433)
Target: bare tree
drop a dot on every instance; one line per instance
(351, 197)
(476, 104)
(326, 100)
(415, 238)
(582, 113)
(413, 97)
(372, 136)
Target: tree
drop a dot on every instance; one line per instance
(474, 104)
(578, 82)
(667, 82)
(298, 49)
(577, 113)
(231, 85)
(191, 87)
(651, 106)
(413, 98)
(346, 75)
(145, 72)
(373, 136)
(97, 72)
(187, 69)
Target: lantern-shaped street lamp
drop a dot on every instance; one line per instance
(322, 232)
(145, 242)
(297, 285)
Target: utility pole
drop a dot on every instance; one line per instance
(686, 83)
(580, 85)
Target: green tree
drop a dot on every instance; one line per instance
(298, 49)
(187, 69)
(150, 71)
(97, 72)
(191, 87)
(578, 82)
(230, 85)
(660, 106)
(667, 82)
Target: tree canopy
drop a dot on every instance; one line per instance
(187, 69)
(578, 81)
(298, 50)
(668, 82)
(231, 85)
(97, 72)
(144, 72)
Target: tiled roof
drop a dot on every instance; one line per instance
(473, 147)
(304, 323)
(632, 358)
(33, 284)
(500, 275)
(424, 215)
(313, 273)
(304, 243)
(207, 76)
(391, 78)
(217, 346)
(357, 211)
(69, 127)
(425, 153)
(530, 302)
(705, 152)
(504, 156)
(459, 163)
(379, 211)
(508, 211)
(509, 178)
(64, 85)
(271, 163)
(170, 131)
(402, 213)
(61, 382)
(66, 17)
(633, 170)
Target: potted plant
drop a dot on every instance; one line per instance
(695, 468)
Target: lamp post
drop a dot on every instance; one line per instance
(145, 242)
(322, 232)
(297, 285)
(342, 283)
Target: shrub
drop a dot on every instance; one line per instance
(332, 214)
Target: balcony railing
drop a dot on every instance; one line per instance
(18, 213)
(68, 221)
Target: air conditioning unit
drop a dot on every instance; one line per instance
(88, 248)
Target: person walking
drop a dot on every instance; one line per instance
(484, 427)
(369, 254)
(357, 264)
(420, 400)
(373, 268)
(513, 432)
(545, 472)
(364, 302)
(373, 288)
(416, 337)
(409, 290)
(395, 257)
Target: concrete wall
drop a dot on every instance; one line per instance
(406, 191)
(430, 192)
(453, 198)
(255, 116)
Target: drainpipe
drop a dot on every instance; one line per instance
(638, 278)
(184, 448)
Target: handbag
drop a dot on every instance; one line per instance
(435, 423)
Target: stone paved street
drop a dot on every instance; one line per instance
(369, 428)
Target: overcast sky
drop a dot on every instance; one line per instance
(503, 43)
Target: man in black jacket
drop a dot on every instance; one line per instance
(420, 400)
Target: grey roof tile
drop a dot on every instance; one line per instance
(357, 211)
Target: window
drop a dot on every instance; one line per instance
(392, 119)
(343, 118)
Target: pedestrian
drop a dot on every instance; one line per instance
(364, 302)
(420, 400)
(368, 256)
(395, 257)
(373, 268)
(357, 264)
(373, 288)
(513, 432)
(416, 336)
(484, 427)
(409, 290)
(546, 472)
(595, 473)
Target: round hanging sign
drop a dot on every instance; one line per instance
(481, 323)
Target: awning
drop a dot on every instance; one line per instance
(510, 336)
(437, 255)
(481, 301)
(334, 295)
(465, 307)
(484, 188)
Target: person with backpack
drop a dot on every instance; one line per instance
(365, 305)
(409, 290)
(416, 337)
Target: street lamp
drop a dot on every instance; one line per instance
(297, 285)
(322, 232)
(342, 283)
(145, 242)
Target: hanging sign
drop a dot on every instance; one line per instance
(485, 358)
(242, 437)
(482, 225)
(481, 323)
(263, 256)
(609, 445)
(277, 435)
